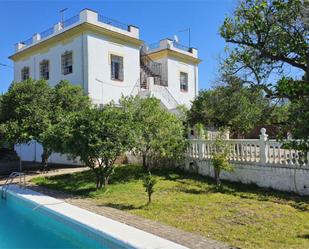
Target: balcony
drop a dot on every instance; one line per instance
(170, 44)
(85, 15)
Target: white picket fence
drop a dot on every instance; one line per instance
(262, 151)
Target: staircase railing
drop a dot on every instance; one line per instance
(166, 94)
(137, 86)
(149, 68)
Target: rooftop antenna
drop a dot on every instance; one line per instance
(189, 34)
(62, 14)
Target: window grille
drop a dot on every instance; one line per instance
(117, 67)
(67, 63)
(44, 70)
(25, 73)
(183, 81)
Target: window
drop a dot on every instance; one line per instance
(117, 67)
(25, 73)
(183, 82)
(44, 70)
(67, 63)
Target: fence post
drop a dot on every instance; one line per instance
(200, 149)
(263, 146)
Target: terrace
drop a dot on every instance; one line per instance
(84, 16)
(172, 45)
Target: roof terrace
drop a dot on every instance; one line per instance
(171, 45)
(84, 16)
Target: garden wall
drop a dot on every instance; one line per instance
(284, 178)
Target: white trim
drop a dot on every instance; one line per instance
(123, 233)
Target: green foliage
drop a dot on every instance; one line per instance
(95, 136)
(149, 182)
(25, 111)
(159, 134)
(233, 106)
(200, 130)
(270, 38)
(31, 108)
(220, 157)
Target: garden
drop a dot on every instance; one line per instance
(243, 216)
(265, 41)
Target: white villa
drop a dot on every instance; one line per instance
(107, 59)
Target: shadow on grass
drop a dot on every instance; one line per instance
(303, 236)
(83, 184)
(123, 206)
(206, 185)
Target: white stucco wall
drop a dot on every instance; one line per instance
(99, 50)
(53, 54)
(171, 68)
(32, 153)
(174, 69)
(282, 178)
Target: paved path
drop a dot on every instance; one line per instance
(190, 240)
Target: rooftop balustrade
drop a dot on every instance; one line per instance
(84, 16)
(169, 44)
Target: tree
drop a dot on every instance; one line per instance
(149, 182)
(159, 135)
(233, 105)
(95, 136)
(30, 108)
(65, 100)
(220, 159)
(25, 111)
(270, 37)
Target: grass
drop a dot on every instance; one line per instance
(243, 216)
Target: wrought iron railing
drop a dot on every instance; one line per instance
(113, 22)
(180, 46)
(50, 31)
(70, 21)
(47, 33)
(27, 42)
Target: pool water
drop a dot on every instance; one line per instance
(24, 226)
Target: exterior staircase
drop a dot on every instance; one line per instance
(153, 84)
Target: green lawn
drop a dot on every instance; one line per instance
(241, 215)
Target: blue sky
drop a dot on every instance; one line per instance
(156, 20)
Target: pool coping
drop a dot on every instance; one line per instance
(114, 230)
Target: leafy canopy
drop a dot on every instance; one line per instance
(159, 134)
(233, 105)
(95, 136)
(269, 40)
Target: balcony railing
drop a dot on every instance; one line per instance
(47, 33)
(50, 31)
(73, 20)
(70, 21)
(113, 22)
(180, 46)
(27, 42)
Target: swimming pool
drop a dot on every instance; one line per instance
(32, 220)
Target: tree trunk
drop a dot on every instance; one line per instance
(45, 155)
(149, 198)
(217, 176)
(144, 162)
(106, 179)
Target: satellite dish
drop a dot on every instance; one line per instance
(176, 38)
